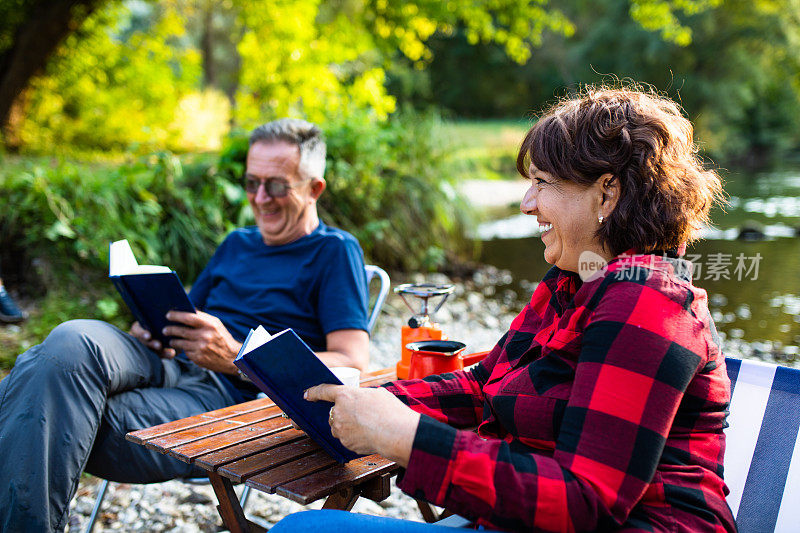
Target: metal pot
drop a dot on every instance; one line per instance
(437, 357)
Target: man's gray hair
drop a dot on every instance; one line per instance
(305, 135)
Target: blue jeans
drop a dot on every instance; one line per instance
(66, 407)
(328, 521)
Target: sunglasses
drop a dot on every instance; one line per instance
(274, 187)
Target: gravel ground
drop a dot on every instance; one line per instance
(468, 316)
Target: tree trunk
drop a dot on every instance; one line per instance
(46, 24)
(16, 117)
(207, 46)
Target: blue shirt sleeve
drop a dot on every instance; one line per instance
(342, 298)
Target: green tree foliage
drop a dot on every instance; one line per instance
(515, 25)
(30, 30)
(116, 84)
(737, 76)
(324, 60)
(664, 16)
(296, 62)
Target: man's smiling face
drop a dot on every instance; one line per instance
(282, 220)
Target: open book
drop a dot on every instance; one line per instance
(283, 366)
(149, 291)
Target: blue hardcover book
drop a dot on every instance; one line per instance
(149, 291)
(283, 366)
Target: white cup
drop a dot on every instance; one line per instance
(347, 375)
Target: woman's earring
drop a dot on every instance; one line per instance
(600, 219)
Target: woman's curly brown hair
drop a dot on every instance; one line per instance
(640, 138)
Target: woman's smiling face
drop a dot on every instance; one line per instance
(567, 213)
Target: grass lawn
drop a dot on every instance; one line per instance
(496, 133)
(485, 149)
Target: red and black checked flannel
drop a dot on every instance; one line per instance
(602, 408)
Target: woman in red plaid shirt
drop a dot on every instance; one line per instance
(602, 407)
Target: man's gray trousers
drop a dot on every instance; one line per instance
(66, 406)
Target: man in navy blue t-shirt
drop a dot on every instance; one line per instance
(68, 402)
(291, 270)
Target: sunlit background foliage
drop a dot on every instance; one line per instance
(144, 75)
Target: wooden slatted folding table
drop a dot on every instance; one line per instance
(253, 443)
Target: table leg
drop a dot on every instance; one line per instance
(429, 514)
(229, 508)
(377, 489)
(344, 500)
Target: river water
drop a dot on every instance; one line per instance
(753, 285)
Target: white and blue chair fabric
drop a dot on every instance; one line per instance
(762, 455)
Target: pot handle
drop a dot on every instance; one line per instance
(472, 358)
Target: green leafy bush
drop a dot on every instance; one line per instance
(171, 213)
(393, 187)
